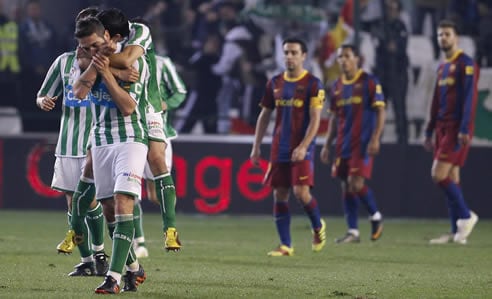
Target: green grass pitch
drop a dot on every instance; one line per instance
(225, 257)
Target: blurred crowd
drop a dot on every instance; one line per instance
(225, 50)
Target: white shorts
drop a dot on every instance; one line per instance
(67, 173)
(118, 168)
(169, 162)
(155, 124)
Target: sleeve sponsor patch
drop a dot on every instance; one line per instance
(469, 70)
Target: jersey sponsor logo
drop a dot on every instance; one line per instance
(132, 177)
(100, 96)
(71, 101)
(446, 81)
(349, 101)
(298, 103)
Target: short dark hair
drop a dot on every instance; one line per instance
(141, 20)
(352, 47)
(115, 21)
(87, 26)
(295, 40)
(448, 24)
(90, 11)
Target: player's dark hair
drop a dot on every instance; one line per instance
(141, 20)
(448, 24)
(115, 21)
(352, 47)
(88, 26)
(295, 40)
(90, 11)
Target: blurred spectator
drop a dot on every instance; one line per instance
(9, 60)
(175, 27)
(436, 9)
(371, 15)
(484, 55)
(392, 66)
(235, 43)
(205, 23)
(201, 105)
(38, 49)
(465, 14)
(153, 18)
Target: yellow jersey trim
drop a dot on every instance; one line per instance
(357, 75)
(378, 104)
(288, 79)
(455, 55)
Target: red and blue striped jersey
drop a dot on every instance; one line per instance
(292, 99)
(354, 103)
(455, 94)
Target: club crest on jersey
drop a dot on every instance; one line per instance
(452, 67)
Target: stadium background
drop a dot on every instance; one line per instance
(212, 171)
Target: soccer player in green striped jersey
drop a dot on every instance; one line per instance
(119, 146)
(70, 156)
(140, 43)
(172, 93)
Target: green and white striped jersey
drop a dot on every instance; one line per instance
(110, 125)
(140, 36)
(76, 120)
(172, 90)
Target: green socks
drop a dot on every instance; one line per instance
(81, 201)
(166, 194)
(122, 242)
(95, 221)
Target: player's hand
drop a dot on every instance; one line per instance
(428, 144)
(463, 139)
(107, 49)
(101, 63)
(255, 156)
(128, 75)
(373, 147)
(47, 103)
(298, 154)
(325, 154)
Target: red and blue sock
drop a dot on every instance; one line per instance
(281, 213)
(312, 210)
(366, 196)
(456, 201)
(351, 206)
